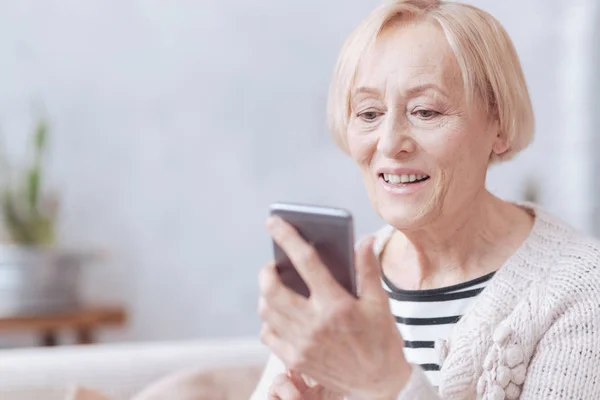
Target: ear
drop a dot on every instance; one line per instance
(500, 144)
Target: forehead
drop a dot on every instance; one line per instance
(407, 55)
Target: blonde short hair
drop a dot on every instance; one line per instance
(488, 62)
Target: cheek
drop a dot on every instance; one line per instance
(462, 157)
(446, 148)
(457, 145)
(362, 147)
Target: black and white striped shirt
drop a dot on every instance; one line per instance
(424, 316)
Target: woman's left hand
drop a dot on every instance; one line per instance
(349, 345)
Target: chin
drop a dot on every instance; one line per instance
(405, 207)
(406, 212)
(406, 217)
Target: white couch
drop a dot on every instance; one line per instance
(118, 370)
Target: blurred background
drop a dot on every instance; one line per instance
(172, 125)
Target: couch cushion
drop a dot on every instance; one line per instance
(119, 371)
(219, 384)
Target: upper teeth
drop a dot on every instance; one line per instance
(392, 178)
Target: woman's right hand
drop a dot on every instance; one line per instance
(292, 386)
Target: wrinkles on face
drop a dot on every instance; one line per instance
(408, 109)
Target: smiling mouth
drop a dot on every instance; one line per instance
(403, 179)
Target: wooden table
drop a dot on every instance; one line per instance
(84, 322)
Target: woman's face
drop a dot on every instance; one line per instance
(421, 152)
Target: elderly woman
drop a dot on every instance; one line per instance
(463, 295)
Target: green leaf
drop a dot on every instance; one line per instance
(15, 223)
(40, 137)
(33, 187)
(26, 220)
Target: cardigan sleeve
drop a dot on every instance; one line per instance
(565, 363)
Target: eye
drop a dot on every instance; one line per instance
(369, 116)
(426, 114)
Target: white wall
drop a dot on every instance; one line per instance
(576, 185)
(594, 130)
(593, 109)
(175, 124)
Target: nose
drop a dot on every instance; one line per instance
(396, 140)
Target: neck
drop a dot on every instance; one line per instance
(457, 247)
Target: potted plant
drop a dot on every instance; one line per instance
(36, 276)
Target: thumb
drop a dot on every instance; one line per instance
(298, 380)
(368, 269)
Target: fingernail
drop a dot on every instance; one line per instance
(272, 223)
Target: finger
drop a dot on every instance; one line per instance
(284, 389)
(368, 270)
(298, 380)
(304, 258)
(270, 338)
(277, 295)
(283, 310)
(272, 395)
(271, 316)
(280, 347)
(287, 326)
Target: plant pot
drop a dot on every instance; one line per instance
(36, 281)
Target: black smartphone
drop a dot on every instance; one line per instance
(330, 231)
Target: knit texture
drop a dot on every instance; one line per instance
(534, 332)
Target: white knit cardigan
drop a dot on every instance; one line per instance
(533, 333)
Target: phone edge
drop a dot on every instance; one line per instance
(311, 209)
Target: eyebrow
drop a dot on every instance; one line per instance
(366, 90)
(415, 90)
(411, 92)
